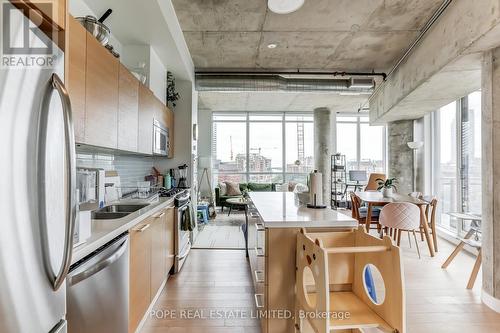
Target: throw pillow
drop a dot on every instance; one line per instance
(232, 188)
(223, 189)
(282, 187)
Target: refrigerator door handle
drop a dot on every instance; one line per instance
(57, 279)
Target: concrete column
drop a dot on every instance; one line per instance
(491, 178)
(400, 165)
(323, 134)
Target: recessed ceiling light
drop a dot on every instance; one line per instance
(284, 6)
(272, 45)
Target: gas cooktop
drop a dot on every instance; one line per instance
(163, 192)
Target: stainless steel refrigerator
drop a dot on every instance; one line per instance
(37, 179)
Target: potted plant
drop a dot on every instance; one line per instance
(172, 95)
(386, 186)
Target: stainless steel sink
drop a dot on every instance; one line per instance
(115, 211)
(120, 208)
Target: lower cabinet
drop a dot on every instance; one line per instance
(151, 258)
(140, 272)
(257, 260)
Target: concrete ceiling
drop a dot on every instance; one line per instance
(343, 35)
(454, 81)
(277, 101)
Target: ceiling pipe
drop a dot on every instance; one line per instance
(281, 82)
(209, 71)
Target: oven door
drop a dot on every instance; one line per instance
(160, 139)
(182, 239)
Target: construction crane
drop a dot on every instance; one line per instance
(231, 145)
(300, 142)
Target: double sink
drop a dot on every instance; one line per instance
(115, 211)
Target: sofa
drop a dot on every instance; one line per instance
(220, 200)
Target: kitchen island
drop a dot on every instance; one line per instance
(275, 218)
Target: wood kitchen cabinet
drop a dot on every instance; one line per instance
(158, 252)
(101, 99)
(146, 115)
(111, 108)
(151, 258)
(53, 10)
(75, 75)
(140, 272)
(49, 15)
(128, 110)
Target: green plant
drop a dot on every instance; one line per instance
(172, 95)
(387, 183)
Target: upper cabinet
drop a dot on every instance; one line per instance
(101, 116)
(147, 104)
(128, 110)
(111, 108)
(75, 75)
(53, 10)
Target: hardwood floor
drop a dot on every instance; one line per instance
(437, 300)
(211, 280)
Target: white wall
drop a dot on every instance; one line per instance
(185, 115)
(157, 76)
(205, 145)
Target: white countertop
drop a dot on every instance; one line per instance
(102, 231)
(282, 210)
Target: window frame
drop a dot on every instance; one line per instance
(461, 106)
(247, 120)
(358, 122)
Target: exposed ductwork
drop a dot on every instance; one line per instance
(286, 82)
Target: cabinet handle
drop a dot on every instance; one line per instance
(259, 251)
(258, 304)
(143, 228)
(256, 273)
(159, 216)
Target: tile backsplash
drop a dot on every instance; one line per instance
(130, 168)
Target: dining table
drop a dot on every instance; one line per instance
(376, 198)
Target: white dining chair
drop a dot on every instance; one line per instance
(399, 217)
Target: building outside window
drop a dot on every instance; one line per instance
(363, 145)
(262, 147)
(456, 138)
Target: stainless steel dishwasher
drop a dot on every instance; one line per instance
(97, 290)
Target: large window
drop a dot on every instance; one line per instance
(457, 161)
(363, 145)
(262, 147)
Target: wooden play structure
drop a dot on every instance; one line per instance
(336, 288)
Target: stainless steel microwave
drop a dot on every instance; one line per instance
(161, 144)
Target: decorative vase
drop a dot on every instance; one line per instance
(387, 192)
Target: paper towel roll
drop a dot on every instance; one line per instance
(316, 188)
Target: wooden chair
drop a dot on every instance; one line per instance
(473, 239)
(399, 217)
(430, 214)
(415, 195)
(372, 184)
(332, 279)
(359, 212)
